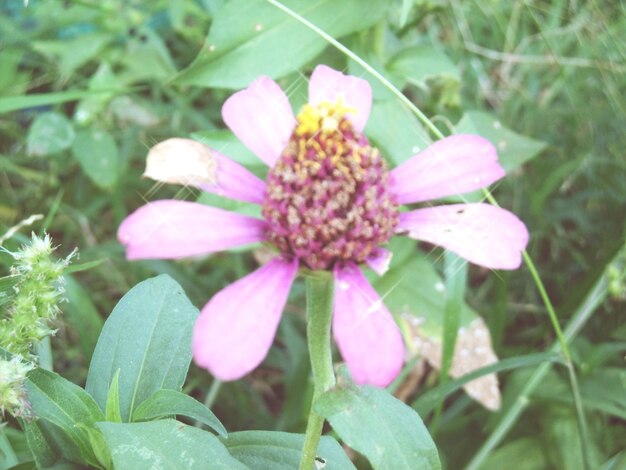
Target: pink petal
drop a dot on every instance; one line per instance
(379, 260)
(235, 182)
(455, 165)
(175, 229)
(236, 328)
(481, 233)
(261, 117)
(329, 85)
(368, 338)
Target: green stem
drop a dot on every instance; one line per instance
(319, 309)
(212, 394)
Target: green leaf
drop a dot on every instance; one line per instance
(371, 421)
(148, 338)
(98, 156)
(395, 131)
(170, 402)
(225, 142)
(82, 314)
(420, 308)
(272, 450)
(74, 268)
(418, 64)
(47, 455)
(513, 149)
(165, 444)
(112, 411)
(67, 406)
(49, 133)
(72, 53)
(249, 38)
(13, 103)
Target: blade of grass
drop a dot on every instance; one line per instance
(582, 427)
(596, 296)
(14, 103)
(455, 274)
(427, 402)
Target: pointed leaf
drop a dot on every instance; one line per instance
(249, 38)
(112, 411)
(148, 338)
(170, 402)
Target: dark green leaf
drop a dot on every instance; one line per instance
(148, 338)
(82, 315)
(165, 444)
(249, 38)
(170, 402)
(371, 421)
(272, 450)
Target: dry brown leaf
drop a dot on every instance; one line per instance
(473, 350)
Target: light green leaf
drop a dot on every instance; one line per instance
(148, 338)
(420, 309)
(170, 402)
(513, 149)
(249, 38)
(371, 421)
(272, 450)
(420, 63)
(68, 407)
(48, 134)
(395, 131)
(112, 411)
(98, 156)
(225, 142)
(88, 108)
(167, 445)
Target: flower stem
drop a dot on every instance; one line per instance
(319, 309)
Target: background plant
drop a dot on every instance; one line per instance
(88, 87)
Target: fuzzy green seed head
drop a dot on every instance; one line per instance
(12, 394)
(38, 290)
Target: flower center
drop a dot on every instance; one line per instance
(327, 197)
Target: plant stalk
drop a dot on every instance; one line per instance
(319, 309)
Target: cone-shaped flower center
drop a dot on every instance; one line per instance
(327, 197)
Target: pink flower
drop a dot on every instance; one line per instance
(329, 203)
